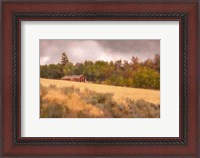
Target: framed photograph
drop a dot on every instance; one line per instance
(100, 79)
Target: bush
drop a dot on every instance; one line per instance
(43, 91)
(53, 110)
(143, 109)
(106, 103)
(94, 98)
(68, 90)
(70, 102)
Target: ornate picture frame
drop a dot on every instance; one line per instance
(184, 145)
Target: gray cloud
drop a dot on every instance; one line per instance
(81, 50)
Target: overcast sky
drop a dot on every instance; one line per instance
(107, 50)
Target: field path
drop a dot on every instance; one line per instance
(120, 93)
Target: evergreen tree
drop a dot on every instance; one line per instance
(64, 59)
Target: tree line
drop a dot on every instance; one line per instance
(138, 74)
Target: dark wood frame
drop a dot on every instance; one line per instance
(187, 143)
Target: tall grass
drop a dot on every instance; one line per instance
(70, 102)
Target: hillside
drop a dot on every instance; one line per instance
(120, 93)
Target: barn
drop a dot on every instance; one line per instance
(76, 78)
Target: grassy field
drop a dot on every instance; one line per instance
(120, 93)
(67, 99)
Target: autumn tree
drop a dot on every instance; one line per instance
(157, 62)
(135, 62)
(136, 73)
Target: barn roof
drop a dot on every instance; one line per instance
(72, 76)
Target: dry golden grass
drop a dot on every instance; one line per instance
(72, 102)
(120, 93)
(69, 102)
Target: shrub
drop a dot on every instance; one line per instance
(68, 90)
(70, 102)
(106, 103)
(53, 110)
(143, 109)
(94, 98)
(43, 91)
(52, 87)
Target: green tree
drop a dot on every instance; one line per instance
(68, 69)
(146, 77)
(52, 71)
(89, 70)
(78, 69)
